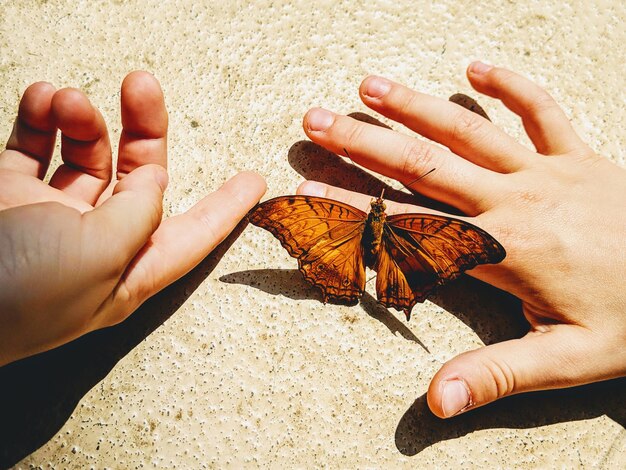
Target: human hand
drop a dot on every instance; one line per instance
(83, 252)
(559, 211)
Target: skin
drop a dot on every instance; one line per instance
(84, 251)
(559, 210)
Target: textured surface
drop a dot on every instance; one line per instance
(240, 364)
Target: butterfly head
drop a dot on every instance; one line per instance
(378, 206)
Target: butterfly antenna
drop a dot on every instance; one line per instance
(420, 177)
(382, 193)
(348, 155)
(370, 279)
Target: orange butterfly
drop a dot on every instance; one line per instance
(411, 253)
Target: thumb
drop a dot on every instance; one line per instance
(123, 223)
(538, 361)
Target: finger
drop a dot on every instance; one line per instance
(358, 200)
(31, 143)
(18, 190)
(465, 133)
(491, 274)
(181, 242)
(122, 224)
(85, 147)
(144, 127)
(539, 361)
(406, 159)
(144, 123)
(545, 122)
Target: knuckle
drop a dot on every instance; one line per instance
(416, 155)
(503, 378)
(408, 103)
(527, 196)
(354, 135)
(503, 78)
(541, 102)
(213, 227)
(525, 188)
(465, 124)
(533, 99)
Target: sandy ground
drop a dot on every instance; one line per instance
(240, 364)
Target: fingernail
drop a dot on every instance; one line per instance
(312, 188)
(375, 87)
(479, 67)
(319, 119)
(454, 397)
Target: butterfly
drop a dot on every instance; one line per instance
(412, 254)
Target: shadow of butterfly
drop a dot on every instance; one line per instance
(411, 253)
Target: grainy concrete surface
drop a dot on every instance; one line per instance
(240, 364)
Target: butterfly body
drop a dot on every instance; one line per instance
(373, 231)
(411, 253)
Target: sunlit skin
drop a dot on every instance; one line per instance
(559, 210)
(84, 251)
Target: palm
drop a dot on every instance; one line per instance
(86, 249)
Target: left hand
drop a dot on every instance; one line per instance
(83, 252)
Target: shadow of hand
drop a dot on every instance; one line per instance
(494, 315)
(419, 428)
(41, 392)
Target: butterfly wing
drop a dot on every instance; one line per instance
(420, 252)
(325, 236)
